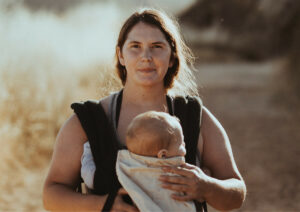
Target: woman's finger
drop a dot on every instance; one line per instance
(178, 170)
(120, 205)
(127, 207)
(188, 166)
(175, 187)
(174, 179)
(180, 197)
(130, 208)
(185, 198)
(122, 191)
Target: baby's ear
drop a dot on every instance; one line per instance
(162, 153)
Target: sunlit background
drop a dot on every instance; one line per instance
(55, 52)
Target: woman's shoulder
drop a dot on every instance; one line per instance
(210, 124)
(72, 131)
(73, 128)
(81, 106)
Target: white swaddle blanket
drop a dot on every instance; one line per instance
(139, 177)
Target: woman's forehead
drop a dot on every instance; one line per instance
(145, 32)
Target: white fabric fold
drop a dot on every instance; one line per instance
(139, 177)
(88, 166)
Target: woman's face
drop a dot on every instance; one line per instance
(146, 55)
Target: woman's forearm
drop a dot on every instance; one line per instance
(60, 197)
(225, 194)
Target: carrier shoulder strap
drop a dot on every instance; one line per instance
(189, 111)
(100, 134)
(104, 148)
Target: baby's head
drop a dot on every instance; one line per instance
(155, 134)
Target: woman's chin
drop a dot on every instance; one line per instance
(148, 81)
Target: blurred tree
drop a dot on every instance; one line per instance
(294, 53)
(258, 29)
(57, 6)
(231, 13)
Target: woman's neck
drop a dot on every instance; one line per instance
(144, 96)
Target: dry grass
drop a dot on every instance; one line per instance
(32, 111)
(42, 72)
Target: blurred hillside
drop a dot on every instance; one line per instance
(247, 30)
(255, 29)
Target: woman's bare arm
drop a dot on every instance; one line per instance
(64, 174)
(226, 188)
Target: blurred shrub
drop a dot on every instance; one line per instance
(33, 108)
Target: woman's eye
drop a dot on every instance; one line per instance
(157, 47)
(135, 46)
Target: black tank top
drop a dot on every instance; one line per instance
(114, 111)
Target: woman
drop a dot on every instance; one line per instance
(150, 55)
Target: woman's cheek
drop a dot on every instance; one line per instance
(131, 58)
(164, 57)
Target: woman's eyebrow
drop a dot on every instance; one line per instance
(134, 41)
(155, 42)
(159, 43)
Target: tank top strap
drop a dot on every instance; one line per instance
(170, 104)
(115, 107)
(114, 113)
(114, 110)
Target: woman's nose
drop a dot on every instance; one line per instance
(146, 55)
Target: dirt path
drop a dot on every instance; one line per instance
(265, 136)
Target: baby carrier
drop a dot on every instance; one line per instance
(101, 133)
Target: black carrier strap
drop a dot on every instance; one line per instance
(189, 111)
(103, 146)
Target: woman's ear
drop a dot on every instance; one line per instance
(120, 56)
(162, 153)
(172, 58)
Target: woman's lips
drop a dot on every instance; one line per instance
(146, 70)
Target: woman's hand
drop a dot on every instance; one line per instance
(119, 204)
(192, 182)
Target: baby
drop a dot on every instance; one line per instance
(155, 134)
(153, 139)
